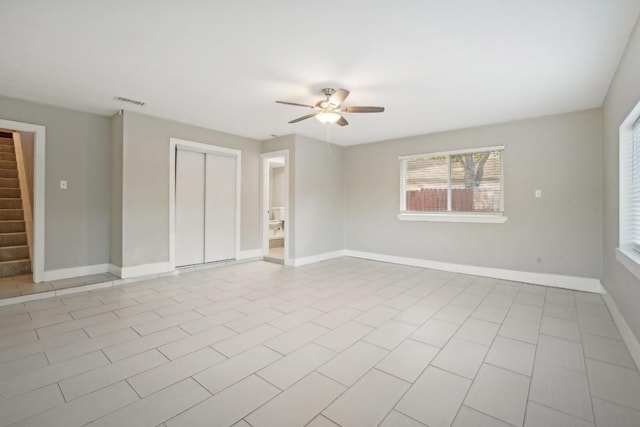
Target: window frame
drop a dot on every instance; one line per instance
(449, 215)
(628, 251)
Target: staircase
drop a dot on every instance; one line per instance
(14, 249)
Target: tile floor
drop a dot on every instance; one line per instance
(23, 284)
(345, 342)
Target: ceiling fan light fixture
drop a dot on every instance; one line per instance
(328, 117)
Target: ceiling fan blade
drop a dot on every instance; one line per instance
(339, 96)
(363, 109)
(295, 103)
(308, 116)
(342, 121)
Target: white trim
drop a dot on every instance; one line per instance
(628, 337)
(65, 273)
(585, 284)
(452, 152)
(630, 259)
(625, 182)
(146, 269)
(297, 262)
(250, 254)
(38, 193)
(452, 217)
(175, 143)
(264, 202)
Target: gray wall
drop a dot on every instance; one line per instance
(77, 149)
(319, 195)
(623, 95)
(316, 194)
(145, 227)
(559, 154)
(115, 246)
(278, 189)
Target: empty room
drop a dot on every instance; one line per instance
(351, 214)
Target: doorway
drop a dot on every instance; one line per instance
(22, 151)
(275, 207)
(204, 204)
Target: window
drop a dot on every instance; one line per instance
(628, 252)
(634, 232)
(464, 185)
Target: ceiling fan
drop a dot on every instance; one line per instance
(330, 110)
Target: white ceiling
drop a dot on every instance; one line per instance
(434, 65)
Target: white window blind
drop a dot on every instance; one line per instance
(455, 181)
(635, 188)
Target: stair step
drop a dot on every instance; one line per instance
(6, 141)
(14, 253)
(9, 183)
(5, 148)
(11, 215)
(13, 239)
(6, 203)
(10, 193)
(12, 226)
(7, 156)
(14, 268)
(8, 173)
(8, 164)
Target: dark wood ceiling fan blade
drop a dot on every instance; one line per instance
(342, 121)
(339, 96)
(363, 109)
(308, 116)
(295, 103)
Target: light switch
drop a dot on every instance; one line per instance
(63, 184)
(538, 194)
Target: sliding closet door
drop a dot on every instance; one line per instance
(190, 207)
(220, 208)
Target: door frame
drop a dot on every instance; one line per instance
(176, 143)
(264, 202)
(37, 263)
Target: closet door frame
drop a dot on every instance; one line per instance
(174, 144)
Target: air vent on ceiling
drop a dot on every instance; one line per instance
(130, 101)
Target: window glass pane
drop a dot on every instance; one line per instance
(476, 182)
(427, 184)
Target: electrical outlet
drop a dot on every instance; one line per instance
(538, 194)
(63, 184)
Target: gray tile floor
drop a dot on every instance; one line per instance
(23, 285)
(345, 342)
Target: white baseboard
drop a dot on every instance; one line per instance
(65, 273)
(585, 284)
(297, 262)
(146, 269)
(249, 254)
(627, 334)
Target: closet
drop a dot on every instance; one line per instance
(205, 207)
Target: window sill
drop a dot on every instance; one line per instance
(630, 259)
(452, 217)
